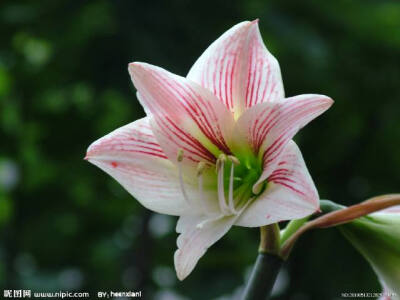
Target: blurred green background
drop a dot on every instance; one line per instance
(66, 225)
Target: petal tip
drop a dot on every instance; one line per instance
(133, 66)
(89, 157)
(323, 100)
(327, 99)
(180, 276)
(330, 100)
(317, 207)
(180, 273)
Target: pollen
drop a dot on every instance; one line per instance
(200, 168)
(234, 159)
(179, 156)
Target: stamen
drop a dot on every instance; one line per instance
(221, 159)
(234, 159)
(231, 203)
(200, 169)
(179, 158)
(221, 191)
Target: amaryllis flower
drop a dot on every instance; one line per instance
(216, 147)
(377, 238)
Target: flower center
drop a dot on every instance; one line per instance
(234, 182)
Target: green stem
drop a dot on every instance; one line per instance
(291, 228)
(328, 206)
(263, 277)
(267, 265)
(270, 239)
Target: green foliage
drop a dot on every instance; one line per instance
(65, 225)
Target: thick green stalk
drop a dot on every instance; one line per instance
(267, 265)
(263, 277)
(270, 239)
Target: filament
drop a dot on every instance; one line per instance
(221, 191)
(182, 184)
(203, 200)
(200, 177)
(231, 203)
(179, 158)
(200, 169)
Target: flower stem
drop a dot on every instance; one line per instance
(263, 277)
(267, 265)
(270, 239)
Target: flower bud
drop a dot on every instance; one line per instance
(377, 238)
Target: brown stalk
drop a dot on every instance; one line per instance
(341, 217)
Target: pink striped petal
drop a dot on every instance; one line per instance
(267, 127)
(394, 210)
(133, 157)
(185, 115)
(197, 234)
(239, 69)
(290, 194)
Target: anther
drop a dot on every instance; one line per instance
(234, 159)
(220, 160)
(179, 156)
(200, 168)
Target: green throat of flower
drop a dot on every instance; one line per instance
(233, 178)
